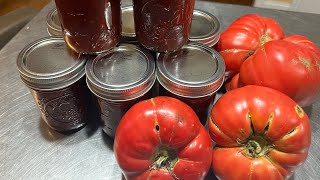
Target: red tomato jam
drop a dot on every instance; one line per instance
(163, 25)
(200, 105)
(112, 112)
(64, 109)
(56, 78)
(120, 78)
(90, 26)
(192, 74)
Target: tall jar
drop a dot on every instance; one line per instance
(56, 78)
(163, 25)
(90, 27)
(192, 74)
(119, 79)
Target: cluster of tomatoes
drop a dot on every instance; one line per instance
(257, 130)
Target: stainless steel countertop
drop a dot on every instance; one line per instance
(30, 150)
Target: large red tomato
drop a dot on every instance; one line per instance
(162, 138)
(246, 34)
(260, 134)
(291, 65)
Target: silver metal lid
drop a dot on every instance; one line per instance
(124, 73)
(53, 23)
(128, 29)
(47, 64)
(194, 71)
(205, 28)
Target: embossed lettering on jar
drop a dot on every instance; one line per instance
(90, 26)
(56, 80)
(192, 74)
(119, 79)
(163, 25)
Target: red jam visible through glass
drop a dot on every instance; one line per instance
(90, 26)
(64, 109)
(163, 25)
(199, 105)
(112, 112)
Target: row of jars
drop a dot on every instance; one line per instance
(160, 26)
(62, 82)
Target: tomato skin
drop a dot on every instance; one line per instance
(158, 122)
(246, 34)
(291, 65)
(261, 115)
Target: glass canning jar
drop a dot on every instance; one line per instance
(90, 27)
(119, 79)
(56, 78)
(163, 25)
(192, 74)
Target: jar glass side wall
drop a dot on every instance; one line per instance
(90, 26)
(64, 109)
(163, 25)
(200, 105)
(111, 112)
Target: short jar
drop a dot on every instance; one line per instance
(192, 74)
(90, 27)
(119, 79)
(205, 28)
(53, 23)
(56, 78)
(163, 25)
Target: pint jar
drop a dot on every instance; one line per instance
(56, 78)
(192, 74)
(163, 25)
(119, 79)
(90, 27)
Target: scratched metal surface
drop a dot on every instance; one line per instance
(29, 150)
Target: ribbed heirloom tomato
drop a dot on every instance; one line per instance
(260, 134)
(246, 34)
(162, 138)
(291, 65)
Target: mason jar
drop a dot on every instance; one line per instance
(90, 27)
(56, 78)
(119, 79)
(163, 25)
(192, 74)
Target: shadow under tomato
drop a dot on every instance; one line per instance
(210, 175)
(108, 141)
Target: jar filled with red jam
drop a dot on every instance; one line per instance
(119, 79)
(90, 26)
(56, 78)
(192, 74)
(163, 25)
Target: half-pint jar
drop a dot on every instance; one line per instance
(119, 79)
(56, 78)
(192, 74)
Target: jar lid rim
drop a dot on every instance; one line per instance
(128, 87)
(178, 84)
(57, 78)
(211, 33)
